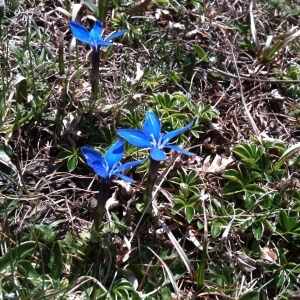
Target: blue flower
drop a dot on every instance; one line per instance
(151, 137)
(108, 166)
(94, 37)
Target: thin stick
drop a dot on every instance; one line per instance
(253, 79)
(255, 129)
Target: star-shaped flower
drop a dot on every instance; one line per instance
(94, 37)
(108, 166)
(151, 137)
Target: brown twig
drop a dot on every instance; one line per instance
(254, 79)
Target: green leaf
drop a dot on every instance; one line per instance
(72, 163)
(21, 95)
(63, 155)
(91, 6)
(255, 189)
(244, 170)
(258, 229)
(292, 150)
(174, 77)
(14, 255)
(201, 53)
(231, 188)
(26, 269)
(215, 230)
(283, 220)
(166, 293)
(5, 152)
(56, 261)
(253, 295)
(45, 232)
(233, 175)
(293, 219)
(189, 213)
(249, 153)
(8, 206)
(189, 66)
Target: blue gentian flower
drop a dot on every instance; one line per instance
(108, 166)
(94, 37)
(151, 137)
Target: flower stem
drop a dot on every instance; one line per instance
(101, 201)
(152, 175)
(95, 74)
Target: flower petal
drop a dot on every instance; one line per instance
(103, 43)
(129, 165)
(125, 178)
(170, 135)
(179, 149)
(114, 154)
(152, 125)
(97, 30)
(96, 35)
(80, 33)
(135, 137)
(115, 35)
(157, 154)
(99, 169)
(92, 155)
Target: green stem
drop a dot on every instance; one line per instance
(101, 201)
(152, 175)
(95, 73)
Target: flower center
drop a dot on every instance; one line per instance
(158, 143)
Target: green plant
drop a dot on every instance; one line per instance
(70, 155)
(189, 193)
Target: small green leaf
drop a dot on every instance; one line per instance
(189, 213)
(283, 220)
(63, 155)
(91, 6)
(166, 293)
(255, 189)
(215, 230)
(26, 269)
(21, 95)
(201, 53)
(231, 188)
(233, 175)
(5, 152)
(258, 229)
(189, 66)
(14, 255)
(72, 163)
(290, 151)
(56, 261)
(253, 295)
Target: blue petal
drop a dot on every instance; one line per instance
(114, 154)
(115, 35)
(129, 165)
(157, 154)
(92, 155)
(152, 125)
(97, 30)
(103, 43)
(170, 135)
(125, 178)
(135, 137)
(99, 169)
(80, 32)
(179, 149)
(96, 35)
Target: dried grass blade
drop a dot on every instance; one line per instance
(180, 251)
(253, 29)
(172, 279)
